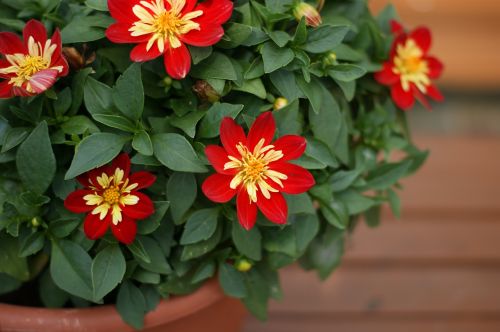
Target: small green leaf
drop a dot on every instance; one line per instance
(232, 281)
(346, 72)
(275, 57)
(10, 262)
(107, 271)
(128, 94)
(210, 124)
(175, 152)
(325, 38)
(200, 226)
(158, 263)
(142, 143)
(217, 66)
(85, 28)
(131, 305)
(32, 244)
(188, 122)
(181, 191)
(249, 243)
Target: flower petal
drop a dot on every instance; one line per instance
(247, 211)
(275, 208)
(435, 67)
(299, 179)
(217, 11)
(292, 146)
(121, 10)
(36, 30)
(75, 202)
(386, 76)
(143, 209)
(10, 43)
(209, 34)
(94, 227)
(188, 7)
(5, 90)
(422, 37)
(43, 80)
(217, 156)
(125, 231)
(216, 188)
(143, 179)
(403, 99)
(122, 162)
(231, 134)
(118, 33)
(264, 127)
(140, 54)
(177, 62)
(396, 27)
(434, 93)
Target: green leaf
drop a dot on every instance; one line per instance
(79, 125)
(131, 305)
(142, 143)
(200, 226)
(235, 34)
(181, 191)
(175, 152)
(258, 294)
(95, 151)
(51, 295)
(35, 160)
(255, 87)
(115, 121)
(198, 54)
(286, 84)
(326, 251)
(98, 97)
(232, 281)
(101, 5)
(313, 91)
(128, 93)
(10, 262)
(387, 175)
(70, 268)
(152, 223)
(336, 214)
(217, 66)
(275, 57)
(61, 228)
(188, 122)
(137, 249)
(32, 244)
(280, 38)
(13, 137)
(107, 271)
(342, 180)
(8, 284)
(394, 202)
(346, 72)
(325, 38)
(248, 243)
(205, 271)
(85, 29)
(210, 124)
(355, 202)
(158, 263)
(196, 250)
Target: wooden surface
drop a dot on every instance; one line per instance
(436, 269)
(465, 37)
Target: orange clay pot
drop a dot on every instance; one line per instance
(206, 310)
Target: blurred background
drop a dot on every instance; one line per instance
(438, 267)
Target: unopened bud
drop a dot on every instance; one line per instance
(330, 59)
(35, 222)
(243, 265)
(279, 103)
(206, 92)
(76, 59)
(312, 16)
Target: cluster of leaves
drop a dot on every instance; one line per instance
(112, 105)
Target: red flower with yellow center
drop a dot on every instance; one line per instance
(111, 199)
(166, 26)
(256, 170)
(30, 67)
(410, 70)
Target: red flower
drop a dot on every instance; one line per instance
(256, 170)
(31, 67)
(111, 198)
(410, 69)
(166, 26)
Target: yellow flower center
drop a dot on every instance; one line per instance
(410, 65)
(164, 26)
(24, 66)
(253, 169)
(111, 193)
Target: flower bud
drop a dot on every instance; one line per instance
(330, 59)
(205, 91)
(279, 103)
(312, 16)
(35, 222)
(243, 265)
(78, 60)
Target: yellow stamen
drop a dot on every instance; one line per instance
(253, 169)
(408, 63)
(164, 26)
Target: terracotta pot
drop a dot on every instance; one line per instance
(207, 310)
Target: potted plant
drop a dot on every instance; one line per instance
(162, 158)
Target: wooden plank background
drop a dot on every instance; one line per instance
(436, 269)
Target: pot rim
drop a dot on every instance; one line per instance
(14, 317)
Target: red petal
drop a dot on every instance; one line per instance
(5, 90)
(140, 54)
(10, 44)
(75, 202)
(125, 231)
(121, 10)
(36, 30)
(435, 67)
(434, 93)
(421, 98)
(209, 34)
(396, 27)
(143, 179)
(122, 162)
(231, 134)
(94, 227)
(118, 33)
(218, 158)
(299, 179)
(275, 208)
(188, 7)
(21, 91)
(43, 80)
(57, 58)
(216, 188)
(216, 11)
(90, 178)
(292, 146)
(386, 76)
(422, 37)
(143, 209)
(177, 62)
(264, 127)
(403, 99)
(247, 211)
